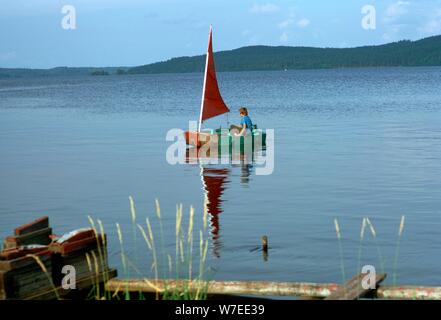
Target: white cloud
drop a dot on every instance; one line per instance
(395, 20)
(303, 23)
(292, 12)
(284, 37)
(432, 26)
(397, 9)
(286, 23)
(343, 44)
(246, 32)
(7, 56)
(264, 8)
(408, 19)
(387, 37)
(392, 34)
(254, 40)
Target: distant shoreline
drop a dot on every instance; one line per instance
(421, 53)
(112, 75)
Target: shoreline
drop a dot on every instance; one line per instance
(112, 75)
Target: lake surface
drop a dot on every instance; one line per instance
(349, 144)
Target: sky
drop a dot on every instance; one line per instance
(136, 32)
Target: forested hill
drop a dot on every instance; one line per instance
(59, 71)
(425, 52)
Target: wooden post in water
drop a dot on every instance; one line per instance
(265, 248)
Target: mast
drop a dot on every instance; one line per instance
(212, 103)
(205, 79)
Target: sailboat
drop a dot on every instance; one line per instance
(213, 105)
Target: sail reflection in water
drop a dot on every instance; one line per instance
(215, 181)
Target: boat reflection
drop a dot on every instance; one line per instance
(215, 181)
(245, 173)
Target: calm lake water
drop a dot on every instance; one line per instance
(349, 144)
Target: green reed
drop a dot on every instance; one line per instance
(397, 250)
(162, 262)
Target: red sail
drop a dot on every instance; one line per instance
(212, 103)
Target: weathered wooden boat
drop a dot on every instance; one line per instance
(32, 262)
(213, 105)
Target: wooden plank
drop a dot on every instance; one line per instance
(85, 244)
(257, 288)
(90, 280)
(41, 223)
(76, 235)
(82, 283)
(36, 237)
(264, 288)
(20, 276)
(3, 284)
(10, 254)
(22, 287)
(408, 292)
(17, 284)
(353, 289)
(78, 260)
(23, 262)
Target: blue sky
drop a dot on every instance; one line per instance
(135, 32)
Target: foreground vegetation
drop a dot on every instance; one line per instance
(187, 262)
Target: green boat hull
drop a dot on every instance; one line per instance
(229, 143)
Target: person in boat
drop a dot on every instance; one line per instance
(246, 125)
